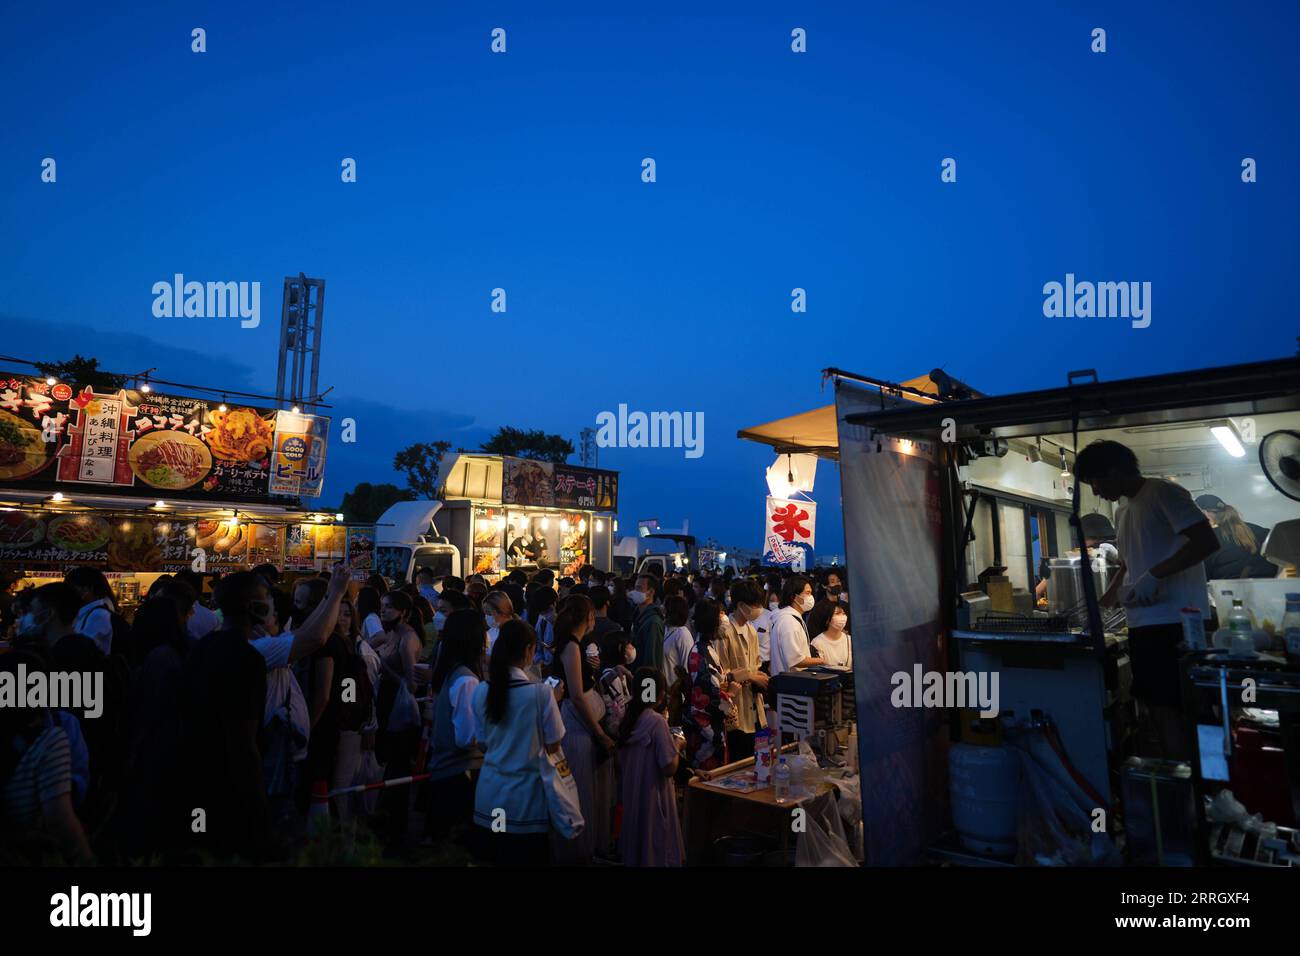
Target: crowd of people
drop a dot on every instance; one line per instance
(234, 718)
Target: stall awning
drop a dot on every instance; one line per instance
(1235, 390)
(815, 432)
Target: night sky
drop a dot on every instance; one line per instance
(522, 170)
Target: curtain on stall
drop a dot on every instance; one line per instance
(892, 527)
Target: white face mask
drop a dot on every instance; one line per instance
(805, 603)
(774, 604)
(838, 621)
(636, 597)
(610, 588)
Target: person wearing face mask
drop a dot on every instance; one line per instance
(497, 610)
(829, 621)
(540, 613)
(649, 634)
(763, 626)
(621, 610)
(738, 653)
(399, 714)
(789, 635)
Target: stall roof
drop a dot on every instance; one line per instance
(1233, 390)
(815, 432)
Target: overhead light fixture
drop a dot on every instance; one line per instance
(1226, 433)
(600, 524)
(296, 409)
(546, 522)
(339, 516)
(564, 524)
(57, 496)
(582, 525)
(160, 503)
(50, 380)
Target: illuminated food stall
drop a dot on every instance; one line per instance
(506, 513)
(141, 484)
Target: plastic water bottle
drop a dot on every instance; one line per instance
(1243, 636)
(781, 781)
(1291, 627)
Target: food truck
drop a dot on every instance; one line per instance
(140, 484)
(495, 513)
(957, 507)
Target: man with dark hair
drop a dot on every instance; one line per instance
(737, 646)
(649, 628)
(599, 597)
(204, 620)
(453, 583)
(1162, 539)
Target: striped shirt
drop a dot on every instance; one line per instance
(44, 772)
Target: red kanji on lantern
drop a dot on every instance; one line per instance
(788, 521)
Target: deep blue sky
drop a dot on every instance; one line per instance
(522, 170)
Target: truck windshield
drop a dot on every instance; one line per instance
(392, 562)
(437, 561)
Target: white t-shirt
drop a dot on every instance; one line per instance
(95, 622)
(1148, 530)
(510, 780)
(274, 649)
(677, 650)
(371, 626)
(203, 622)
(789, 640)
(835, 653)
(763, 627)
(462, 709)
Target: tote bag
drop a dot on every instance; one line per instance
(557, 780)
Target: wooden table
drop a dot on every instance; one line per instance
(711, 813)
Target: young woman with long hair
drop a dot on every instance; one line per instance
(649, 756)
(710, 700)
(511, 818)
(586, 743)
(399, 715)
(454, 758)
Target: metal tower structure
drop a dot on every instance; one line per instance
(302, 314)
(587, 450)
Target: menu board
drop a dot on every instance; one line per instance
(489, 540)
(361, 548)
(307, 544)
(544, 484)
(56, 541)
(573, 544)
(131, 442)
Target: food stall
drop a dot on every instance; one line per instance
(972, 494)
(141, 484)
(504, 513)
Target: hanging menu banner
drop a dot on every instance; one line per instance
(136, 443)
(543, 484)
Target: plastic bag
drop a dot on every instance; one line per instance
(1226, 808)
(823, 843)
(369, 770)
